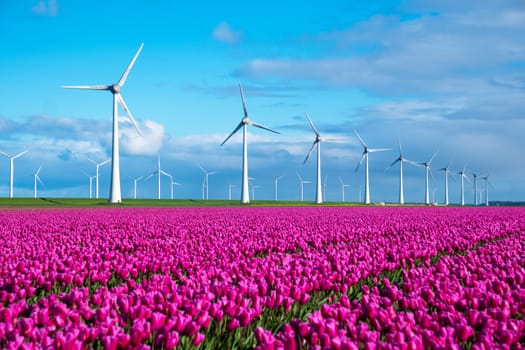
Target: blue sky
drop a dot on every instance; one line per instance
(443, 76)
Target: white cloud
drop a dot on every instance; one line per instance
(148, 144)
(46, 8)
(224, 33)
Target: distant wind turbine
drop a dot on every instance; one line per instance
(172, 184)
(427, 172)
(302, 182)
(37, 178)
(366, 151)
(317, 141)
(97, 166)
(463, 176)
(487, 183)
(245, 121)
(135, 181)
(114, 192)
(205, 182)
(400, 160)
(343, 186)
(158, 172)
(230, 191)
(253, 191)
(325, 183)
(91, 177)
(447, 173)
(475, 183)
(12, 169)
(276, 183)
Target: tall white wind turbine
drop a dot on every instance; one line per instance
(12, 168)
(343, 186)
(206, 179)
(276, 184)
(245, 121)
(37, 178)
(366, 151)
(401, 159)
(475, 183)
(302, 182)
(463, 176)
(427, 172)
(487, 183)
(447, 173)
(317, 141)
(97, 166)
(114, 191)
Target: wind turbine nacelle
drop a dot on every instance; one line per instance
(115, 88)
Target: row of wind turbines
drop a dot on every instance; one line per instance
(115, 188)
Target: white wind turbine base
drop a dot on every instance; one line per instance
(114, 192)
(427, 172)
(12, 168)
(245, 121)
(366, 151)
(401, 159)
(317, 141)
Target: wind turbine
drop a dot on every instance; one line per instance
(276, 182)
(158, 172)
(97, 166)
(447, 173)
(463, 176)
(366, 151)
(135, 181)
(325, 182)
(343, 186)
(245, 121)
(487, 183)
(428, 171)
(91, 177)
(401, 159)
(302, 182)
(317, 141)
(475, 176)
(37, 178)
(230, 191)
(172, 183)
(114, 192)
(205, 183)
(12, 168)
(253, 191)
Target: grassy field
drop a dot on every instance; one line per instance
(102, 202)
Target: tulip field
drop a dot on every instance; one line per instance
(264, 278)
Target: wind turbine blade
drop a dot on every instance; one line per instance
(203, 170)
(126, 72)
(310, 151)
(411, 162)
(434, 156)
(333, 140)
(126, 109)
(213, 172)
(89, 159)
(39, 168)
(341, 181)
(360, 139)
(466, 178)
(87, 87)
(379, 149)
(400, 149)
(263, 127)
(361, 161)
(300, 178)
(20, 154)
(311, 124)
(233, 132)
(243, 102)
(38, 178)
(164, 173)
(104, 162)
(431, 173)
(307, 182)
(394, 162)
(5, 154)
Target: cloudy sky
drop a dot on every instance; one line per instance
(446, 76)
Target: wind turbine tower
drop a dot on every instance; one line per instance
(486, 178)
(475, 176)
(463, 176)
(205, 183)
(317, 141)
(114, 191)
(37, 178)
(276, 184)
(427, 172)
(245, 121)
(401, 159)
(447, 173)
(366, 151)
(343, 186)
(12, 169)
(302, 182)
